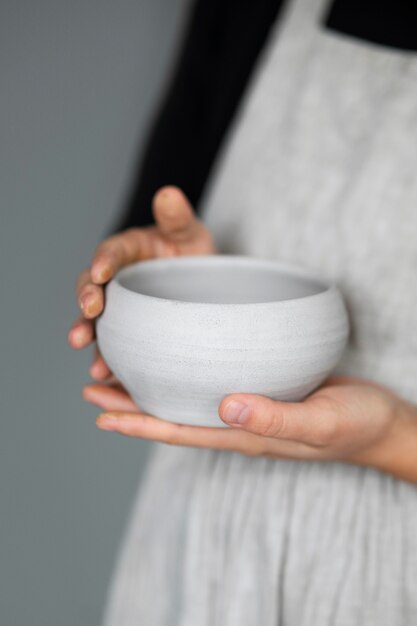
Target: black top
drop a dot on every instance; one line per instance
(222, 41)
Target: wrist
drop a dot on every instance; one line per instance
(396, 452)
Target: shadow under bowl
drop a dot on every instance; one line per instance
(181, 333)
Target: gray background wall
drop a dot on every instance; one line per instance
(78, 82)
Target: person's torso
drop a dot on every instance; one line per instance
(320, 168)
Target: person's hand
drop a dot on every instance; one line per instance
(176, 232)
(346, 419)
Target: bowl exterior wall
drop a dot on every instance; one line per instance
(179, 359)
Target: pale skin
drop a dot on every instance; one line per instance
(346, 419)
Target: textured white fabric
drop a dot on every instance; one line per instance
(319, 169)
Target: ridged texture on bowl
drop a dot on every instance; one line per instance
(179, 359)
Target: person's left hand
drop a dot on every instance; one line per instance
(346, 419)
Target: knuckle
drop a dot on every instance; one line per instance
(131, 241)
(103, 253)
(105, 249)
(172, 440)
(272, 424)
(108, 247)
(102, 246)
(262, 448)
(250, 445)
(177, 223)
(87, 289)
(173, 437)
(268, 453)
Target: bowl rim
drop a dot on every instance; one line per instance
(293, 269)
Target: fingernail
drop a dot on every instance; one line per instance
(85, 303)
(107, 421)
(102, 273)
(236, 412)
(105, 274)
(92, 309)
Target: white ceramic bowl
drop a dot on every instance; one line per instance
(181, 333)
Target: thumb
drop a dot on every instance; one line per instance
(264, 416)
(174, 214)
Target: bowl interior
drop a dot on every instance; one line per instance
(220, 280)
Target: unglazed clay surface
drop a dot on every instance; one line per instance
(181, 333)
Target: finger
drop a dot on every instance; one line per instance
(149, 427)
(109, 397)
(81, 333)
(155, 429)
(99, 370)
(117, 251)
(174, 215)
(91, 300)
(89, 296)
(313, 421)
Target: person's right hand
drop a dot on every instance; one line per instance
(176, 232)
